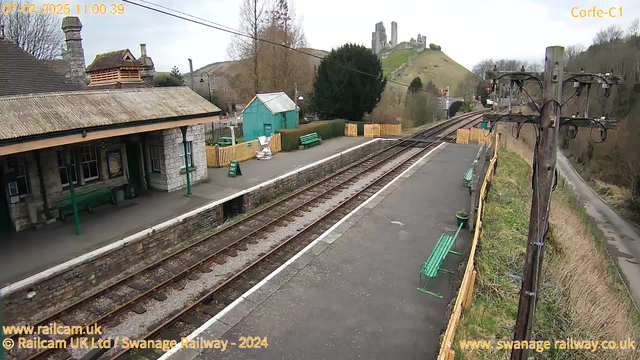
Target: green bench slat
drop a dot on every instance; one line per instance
(433, 265)
(84, 199)
(468, 175)
(310, 138)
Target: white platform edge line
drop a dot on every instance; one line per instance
(9, 289)
(210, 322)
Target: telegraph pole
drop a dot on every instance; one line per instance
(544, 165)
(543, 180)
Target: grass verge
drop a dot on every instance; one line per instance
(585, 299)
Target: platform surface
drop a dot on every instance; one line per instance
(28, 252)
(353, 294)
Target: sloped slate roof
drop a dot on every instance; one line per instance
(112, 60)
(22, 116)
(22, 73)
(277, 102)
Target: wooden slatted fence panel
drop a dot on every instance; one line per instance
(390, 130)
(462, 136)
(275, 144)
(372, 130)
(350, 130)
(240, 152)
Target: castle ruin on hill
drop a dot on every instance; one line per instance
(379, 40)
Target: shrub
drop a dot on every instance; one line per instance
(291, 137)
(337, 126)
(433, 46)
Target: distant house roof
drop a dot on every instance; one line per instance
(276, 102)
(22, 73)
(114, 60)
(23, 116)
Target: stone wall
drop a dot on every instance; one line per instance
(95, 271)
(302, 178)
(173, 147)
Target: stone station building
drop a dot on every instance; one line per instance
(128, 139)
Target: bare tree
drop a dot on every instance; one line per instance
(467, 86)
(285, 68)
(38, 34)
(535, 67)
(610, 34)
(482, 67)
(634, 28)
(267, 66)
(247, 50)
(571, 53)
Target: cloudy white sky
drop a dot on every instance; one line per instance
(468, 31)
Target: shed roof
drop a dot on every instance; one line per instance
(22, 73)
(113, 60)
(276, 102)
(30, 115)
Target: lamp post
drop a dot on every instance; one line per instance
(208, 83)
(300, 98)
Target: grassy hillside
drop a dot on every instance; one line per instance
(429, 65)
(395, 60)
(227, 69)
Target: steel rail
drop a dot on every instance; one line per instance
(156, 331)
(176, 277)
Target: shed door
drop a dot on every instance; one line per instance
(268, 129)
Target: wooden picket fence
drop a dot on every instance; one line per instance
(465, 294)
(222, 156)
(351, 130)
(378, 130)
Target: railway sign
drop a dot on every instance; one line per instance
(234, 169)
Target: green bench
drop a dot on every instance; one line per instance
(468, 176)
(310, 139)
(433, 265)
(85, 200)
(225, 141)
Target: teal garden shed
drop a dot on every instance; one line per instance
(267, 113)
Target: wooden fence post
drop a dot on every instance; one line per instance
(467, 300)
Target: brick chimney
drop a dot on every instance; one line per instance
(74, 55)
(148, 70)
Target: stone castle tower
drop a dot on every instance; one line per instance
(379, 38)
(394, 33)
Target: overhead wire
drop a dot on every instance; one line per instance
(200, 21)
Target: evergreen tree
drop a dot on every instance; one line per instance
(173, 79)
(339, 92)
(416, 85)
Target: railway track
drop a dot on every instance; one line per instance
(104, 307)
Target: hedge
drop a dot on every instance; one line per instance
(337, 126)
(291, 137)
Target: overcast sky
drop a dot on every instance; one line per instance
(463, 28)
